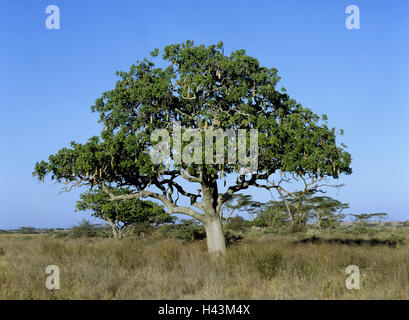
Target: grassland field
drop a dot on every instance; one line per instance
(260, 266)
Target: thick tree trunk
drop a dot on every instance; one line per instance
(216, 242)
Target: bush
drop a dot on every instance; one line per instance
(187, 230)
(268, 262)
(294, 228)
(84, 229)
(140, 229)
(232, 236)
(60, 235)
(237, 224)
(2, 252)
(28, 230)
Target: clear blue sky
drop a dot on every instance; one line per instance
(50, 78)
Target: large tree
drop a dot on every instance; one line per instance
(197, 87)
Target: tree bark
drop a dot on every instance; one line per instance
(117, 235)
(216, 242)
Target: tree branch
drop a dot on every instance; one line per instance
(170, 205)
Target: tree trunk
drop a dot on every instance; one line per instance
(216, 242)
(115, 233)
(290, 214)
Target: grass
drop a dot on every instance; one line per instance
(266, 267)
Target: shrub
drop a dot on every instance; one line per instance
(237, 223)
(2, 252)
(187, 230)
(232, 236)
(268, 262)
(294, 228)
(28, 230)
(140, 229)
(60, 235)
(84, 229)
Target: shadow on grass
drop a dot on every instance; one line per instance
(393, 243)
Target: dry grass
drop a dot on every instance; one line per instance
(258, 268)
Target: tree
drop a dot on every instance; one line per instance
(326, 209)
(85, 229)
(122, 213)
(361, 218)
(197, 88)
(380, 216)
(364, 218)
(274, 213)
(236, 203)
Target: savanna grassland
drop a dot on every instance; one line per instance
(257, 267)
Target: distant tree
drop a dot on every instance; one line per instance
(84, 229)
(273, 213)
(236, 202)
(381, 216)
(254, 209)
(238, 223)
(28, 230)
(241, 203)
(311, 184)
(120, 214)
(364, 218)
(326, 209)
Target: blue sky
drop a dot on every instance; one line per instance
(50, 78)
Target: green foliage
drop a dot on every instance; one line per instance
(123, 212)
(199, 87)
(325, 210)
(274, 215)
(187, 230)
(295, 227)
(238, 224)
(232, 236)
(142, 229)
(365, 218)
(61, 235)
(28, 230)
(84, 229)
